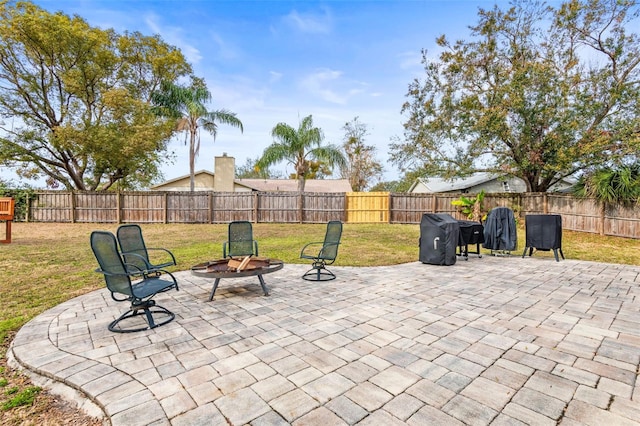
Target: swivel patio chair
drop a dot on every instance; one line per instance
(323, 253)
(240, 242)
(135, 252)
(127, 282)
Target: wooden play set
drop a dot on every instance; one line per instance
(7, 210)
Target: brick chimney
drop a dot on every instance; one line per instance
(224, 173)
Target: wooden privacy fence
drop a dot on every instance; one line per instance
(578, 214)
(185, 207)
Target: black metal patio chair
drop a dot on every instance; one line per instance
(127, 282)
(135, 252)
(240, 240)
(323, 253)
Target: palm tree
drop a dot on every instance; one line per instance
(300, 148)
(611, 185)
(187, 105)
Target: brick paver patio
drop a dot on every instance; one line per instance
(496, 340)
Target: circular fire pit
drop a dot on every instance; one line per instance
(236, 268)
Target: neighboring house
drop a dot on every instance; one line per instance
(489, 182)
(223, 180)
(291, 185)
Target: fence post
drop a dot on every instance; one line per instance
(344, 210)
(165, 207)
(73, 207)
(210, 211)
(434, 202)
(27, 207)
(256, 206)
(118, 207)
(603, 207)
(545, 203)
(300, 207)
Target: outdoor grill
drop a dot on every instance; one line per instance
(543, 232)
(439, 238)
(470, 233)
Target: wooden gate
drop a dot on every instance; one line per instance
(367, 207)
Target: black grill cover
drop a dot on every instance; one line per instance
(439, 237)
(544, 231)
(471, 232)
(500, 230)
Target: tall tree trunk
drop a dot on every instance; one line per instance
(301, 182)
(192, 160)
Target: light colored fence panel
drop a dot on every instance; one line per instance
(368, 207)
(188, 207)
(321, 207)
(51, 206)
(622, 221)
(279, 207)
(142, 207)
(230, 206)
(98, 207)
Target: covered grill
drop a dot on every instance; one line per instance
(470, 233)
(439, 238)
(543, 232)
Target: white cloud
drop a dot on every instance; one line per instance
(275, 76)
(310, 23)
(224, 50)
(329, 86)
(409, 60)
(173, 36)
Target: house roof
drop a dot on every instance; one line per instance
(179, 178)
(287, 185)
(311, 185)
(437, 184)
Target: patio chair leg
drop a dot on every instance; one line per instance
(319, 273)
(147, 309)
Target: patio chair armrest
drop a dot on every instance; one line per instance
(308, 247)
(173, 258)
(139, 257)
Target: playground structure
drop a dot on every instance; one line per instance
(7, 211)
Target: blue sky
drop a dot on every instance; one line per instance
(279, 61)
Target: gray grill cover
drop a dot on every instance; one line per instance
(439, 236)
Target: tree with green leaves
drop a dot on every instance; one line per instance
(300, 147)
(537, 92)
(620, 185)
(75, 100)
(250, 171)
(187, 105)
(362, 168)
